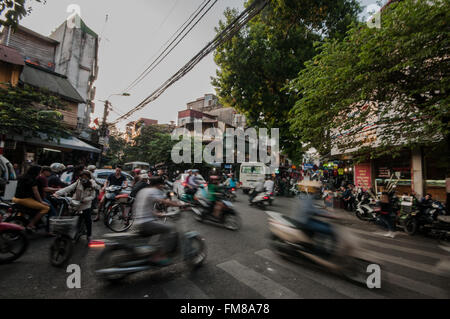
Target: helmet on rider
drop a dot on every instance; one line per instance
(91, 168)
(57, 167)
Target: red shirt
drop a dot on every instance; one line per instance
(42, 183)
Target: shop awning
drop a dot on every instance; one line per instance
(71, 143)
(46, 79)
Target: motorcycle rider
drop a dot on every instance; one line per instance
(306, 216)
(54, 180)
(45, 190)
(192, 182)
(27, 194)
(147, 223)
(259, 188)
(213, 190)
(115, 179)
(84, 194)
(143, 183)
(269, 184)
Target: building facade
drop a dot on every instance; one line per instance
(76, 57)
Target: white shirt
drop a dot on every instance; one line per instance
(144, 205)
(268, 185)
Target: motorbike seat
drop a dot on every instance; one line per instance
(444, 219)
(23, 209)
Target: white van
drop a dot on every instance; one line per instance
(8, 179)
(251, 174)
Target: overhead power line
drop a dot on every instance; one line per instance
(172, 44)
(248, 14)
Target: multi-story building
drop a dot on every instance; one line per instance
(133, 129)
(70, 52)
(76, 57)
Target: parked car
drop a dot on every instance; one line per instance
(180, 184)
(8, 179)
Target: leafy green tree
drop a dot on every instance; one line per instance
(153, 145)
(395, 77)
(257, 64)
(116, 151)
(27, 111)
(12, 11)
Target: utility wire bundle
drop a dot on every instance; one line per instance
(249, 13)
(174, 40)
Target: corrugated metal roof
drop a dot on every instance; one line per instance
(71, 142)
(54, 82)
(10, 55)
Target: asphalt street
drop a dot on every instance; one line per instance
(239, 265)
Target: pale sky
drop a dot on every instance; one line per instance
(133, 34)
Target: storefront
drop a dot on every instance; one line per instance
(395, 170)
(71, 150)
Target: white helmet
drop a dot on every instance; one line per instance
(57, 167)
(143, 172)
(91, 168)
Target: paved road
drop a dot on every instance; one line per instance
(239, 265)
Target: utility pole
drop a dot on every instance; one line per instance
(103, 132)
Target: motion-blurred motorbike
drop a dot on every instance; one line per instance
(293, 239)
(124, 254)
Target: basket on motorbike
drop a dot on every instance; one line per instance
(406, 205)
(65, 225)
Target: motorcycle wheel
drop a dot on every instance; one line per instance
(115, 220)
(411, 226)
(360, 216)
(197, 252)
(61, 250)
(232, 222)
(110, 258)
(8, 239)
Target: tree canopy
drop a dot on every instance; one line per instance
(257, 64)
(395, 79)
(25, 111)
(12, 11)
(152, 145)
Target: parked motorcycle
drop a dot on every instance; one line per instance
(341, 255)
(365, 205)
(428, 219)
(68, 230)
(13, 241)
(128, 253)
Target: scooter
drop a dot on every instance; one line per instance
(124, 254)
(292, 239)
(230, 218)
(262, 199)
(13, 241)
(365, 208)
